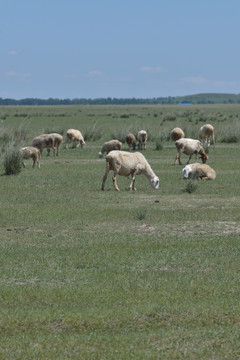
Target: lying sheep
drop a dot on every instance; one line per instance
(30, 152)
(76, 137)
(142, 139)
(177, 134)
(49, 141)
(131, 141)
(189, 147)
(124, 164)
(199, 171)
(109, 146)
(205, 133)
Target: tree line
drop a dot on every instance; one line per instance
(191, 99)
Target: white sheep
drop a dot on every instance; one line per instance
(49, 141)
(131, 141)
(142, 139)
(199, 171)
(177, 133)
(189, 147)
(125, 163)
(109, 146)
(30, 152)
(76, 137)
(205, 133)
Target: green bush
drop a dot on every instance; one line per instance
(141, 214)
(93, 132)
(158, 145)
(12, 162)
(191, 186)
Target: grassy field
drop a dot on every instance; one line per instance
(151, 274)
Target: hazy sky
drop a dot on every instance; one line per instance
(118, 48)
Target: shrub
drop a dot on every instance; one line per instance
(119, 134)
(12, 162)
(158, 145)
(93, 133)
(10, 136)
(230, 138)
(191, 186)
(141, 214)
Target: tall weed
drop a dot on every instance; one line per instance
(12, 162)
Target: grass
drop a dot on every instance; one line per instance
(86, 274)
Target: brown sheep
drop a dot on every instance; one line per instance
(177, 134)
(131, 141)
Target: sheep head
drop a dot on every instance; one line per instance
(186, 171)
(155, 182)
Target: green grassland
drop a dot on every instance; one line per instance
(147, 274)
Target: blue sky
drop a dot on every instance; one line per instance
(128, 48)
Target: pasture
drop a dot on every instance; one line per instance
(150, 274)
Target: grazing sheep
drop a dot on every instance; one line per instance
(189, 147)
(76, 136)
(109, 146)
(205, 133)
(131, 141)
(142, 139)
(57, 142)
(49, 141)
(199, 171)
(30, 152)
(177, 134)
(124, 163)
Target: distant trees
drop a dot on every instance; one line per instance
(193, 99)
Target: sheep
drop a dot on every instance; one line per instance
(131, 141)
(30, 152)
(142, 139)
(76, 136)
(205, 133)
(49, 141)
(125, 163)
(199, 171)
(57, 142)
(190, 147)
(109, 146)
(177, 134)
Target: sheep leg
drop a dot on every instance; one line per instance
(34, 161)
(178, 158)
(105, 178)
(213, 139)
(23, 164)
(132, 184)
(115, 181)
(189, 159)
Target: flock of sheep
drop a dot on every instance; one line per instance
(125, 163)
